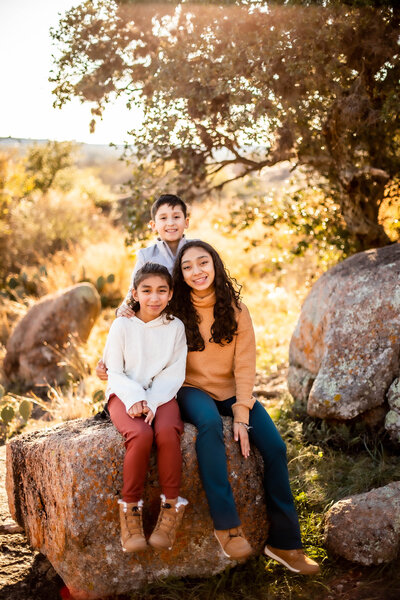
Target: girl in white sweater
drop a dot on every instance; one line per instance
(146, 356)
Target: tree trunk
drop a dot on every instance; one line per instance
(360, 202)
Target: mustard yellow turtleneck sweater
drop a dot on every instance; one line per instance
(224, 371)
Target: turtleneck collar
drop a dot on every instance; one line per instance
(203, 302)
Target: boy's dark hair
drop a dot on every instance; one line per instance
(147, 270)
(169, 199)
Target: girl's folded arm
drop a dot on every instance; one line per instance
(167, 382)
(127, 389)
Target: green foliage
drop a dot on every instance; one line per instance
(45, 162)
(110, 296)
(41, 225)
(25, 409)
(98, 400)
(98, 396)
(15, 412)
(312, 220)
(7, 414)
(100, 283)
(20, 285)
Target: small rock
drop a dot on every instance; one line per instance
(10, 528)
(366, 528)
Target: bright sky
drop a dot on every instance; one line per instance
(25, 98)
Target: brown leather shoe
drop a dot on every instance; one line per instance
(132, 537)
(169, 520)
(295, 560)
(233, 543)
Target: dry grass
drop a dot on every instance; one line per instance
(91, 260)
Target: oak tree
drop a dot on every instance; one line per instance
(230, 88)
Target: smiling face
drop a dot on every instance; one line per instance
(198, 270)
(153, 294)
(170, 223)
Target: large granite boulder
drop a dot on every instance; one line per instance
(366, 528)
(41, 344)
(344, 352)
(63, 485)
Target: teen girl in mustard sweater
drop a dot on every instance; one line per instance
(219, 381)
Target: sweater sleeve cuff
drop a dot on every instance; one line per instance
(152, 406)
(241, 410)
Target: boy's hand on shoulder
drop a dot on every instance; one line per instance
(136, 410)
(101, 371)
(125, 311)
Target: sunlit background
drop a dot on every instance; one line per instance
(26, 100)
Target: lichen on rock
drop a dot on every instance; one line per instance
(63, 485)
(347, 338)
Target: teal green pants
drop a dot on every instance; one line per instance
(205, 413)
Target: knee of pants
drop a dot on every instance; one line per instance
(143, 438)
(278, 450)
(167, 434)
(211, 427)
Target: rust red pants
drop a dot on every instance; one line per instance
(166, 430)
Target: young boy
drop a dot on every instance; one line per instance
(169, 220)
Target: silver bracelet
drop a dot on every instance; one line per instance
(247, 427)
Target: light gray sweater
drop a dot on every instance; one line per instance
(159, 253)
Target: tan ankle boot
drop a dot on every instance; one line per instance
(132, 537)
(169, 519)
(233, 543)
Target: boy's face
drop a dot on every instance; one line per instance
(170, 223)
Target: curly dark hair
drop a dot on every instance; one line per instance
(143, 273)
(227, 291)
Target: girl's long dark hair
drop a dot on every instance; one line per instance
(227, 292)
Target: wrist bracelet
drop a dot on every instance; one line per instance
(247, 427)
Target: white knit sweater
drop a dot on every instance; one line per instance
(145, 361)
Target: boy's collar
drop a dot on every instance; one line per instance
(163, 246)
(160, 240)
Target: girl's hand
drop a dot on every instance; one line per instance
(101, 371)
(149, 416)
(136, 410)
(240, 434)
(125, 311)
